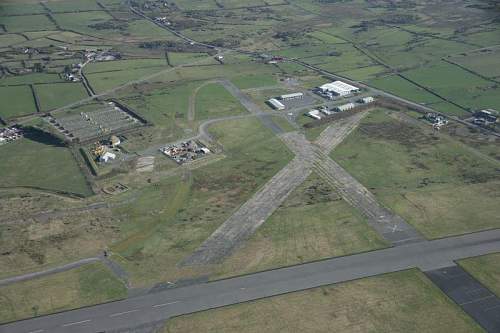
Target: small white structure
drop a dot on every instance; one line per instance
(288, 97)
(345, 107)
(107, 156)
(367, 100)
(337, 88)
(314, 114)
(276, 104)
(326, 111)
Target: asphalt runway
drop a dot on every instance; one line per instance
(153, 308)
(474, 298)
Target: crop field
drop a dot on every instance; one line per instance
(21, 101)
(399, 302)
(41, 164)
(87, 285)
(435, 183)
(55, 95)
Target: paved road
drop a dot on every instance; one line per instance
(474, 298)
(152, 308)
(58, 269)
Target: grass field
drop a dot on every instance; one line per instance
(486, 269)
(86, 285)
(313, 223)
(399, 302)
(29, 163)
(21, 101)
(214, 101)
(123, 65)
(27, 23)
(169, 220)
(52, 96)
(435, 183)
(104, 81)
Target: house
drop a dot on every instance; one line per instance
(488, 115)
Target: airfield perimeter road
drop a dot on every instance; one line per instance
(156, 307)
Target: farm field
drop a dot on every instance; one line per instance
(433, 178)
(55, 95)
(36, 164)
(403, 301)
(22, 101)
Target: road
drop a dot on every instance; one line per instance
(153, 308)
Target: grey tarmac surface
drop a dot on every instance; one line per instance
(150, 309)
(474, 298)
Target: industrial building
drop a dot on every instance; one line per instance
(367, 100)
(288, 97)
(276, 104)
(336, 88)
(314, 114)
(345, 107)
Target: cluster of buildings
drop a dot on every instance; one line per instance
(92, 55)
(185, 151)
(325, 111)
(105, 151)
(162, 20)
(436, 120)
(277, 103)
(336, 89)
(486, 117)
(10, 134)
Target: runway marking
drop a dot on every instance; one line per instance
(164, 304)
(37, 331)
(123, 313)
(76, 323)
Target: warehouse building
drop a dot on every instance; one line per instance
(367, 100)
(288, 97)
(345, 107)
(276, 104)
(337, 88)
(314, 114)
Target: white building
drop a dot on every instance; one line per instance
(314, 114)
(288, 97)
(345, 107)
(337, 88)
(276, 104)
(107, 156)
(367, 100)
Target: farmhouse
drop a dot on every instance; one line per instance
(276, 104)
(336, 88)
(288, 97)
